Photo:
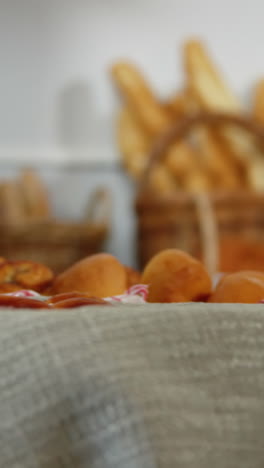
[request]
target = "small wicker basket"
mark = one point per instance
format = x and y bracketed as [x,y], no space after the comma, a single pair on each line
[56,243]
[196,222]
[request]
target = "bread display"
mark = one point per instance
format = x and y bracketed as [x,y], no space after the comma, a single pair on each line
[171,276]
[226,158]
[199,146]
[31,229]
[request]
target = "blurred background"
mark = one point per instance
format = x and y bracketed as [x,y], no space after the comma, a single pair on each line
[58,102]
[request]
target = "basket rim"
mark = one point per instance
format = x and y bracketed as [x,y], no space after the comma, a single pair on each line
[147,198]
[53,234]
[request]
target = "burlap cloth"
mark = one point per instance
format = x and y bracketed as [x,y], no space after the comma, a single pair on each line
[170,386]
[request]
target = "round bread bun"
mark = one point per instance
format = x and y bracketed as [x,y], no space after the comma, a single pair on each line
[100,275]
[241,287]
[175,276]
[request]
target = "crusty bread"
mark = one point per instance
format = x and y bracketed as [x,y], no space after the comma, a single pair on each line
[175,276]
[100,275]
[240,287]
[140,98]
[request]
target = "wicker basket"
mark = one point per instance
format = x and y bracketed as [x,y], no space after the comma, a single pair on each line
[196,223]
[55,243]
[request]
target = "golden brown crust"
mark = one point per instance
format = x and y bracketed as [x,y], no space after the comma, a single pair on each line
[205,80]
[99,275]
[175,276]
[163,181]
[181,159]
[179,104]
[140,98]
[217,159]
[133,143]
[24,275]
[240,287]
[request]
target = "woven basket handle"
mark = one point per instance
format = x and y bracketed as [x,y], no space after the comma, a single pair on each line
[99,208]
[202,201]
[179,130]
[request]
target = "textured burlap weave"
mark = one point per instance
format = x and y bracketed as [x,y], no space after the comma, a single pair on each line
[170,386]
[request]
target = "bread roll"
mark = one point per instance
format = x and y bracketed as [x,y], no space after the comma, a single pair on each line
[99,275]
[174,276]
[245,287]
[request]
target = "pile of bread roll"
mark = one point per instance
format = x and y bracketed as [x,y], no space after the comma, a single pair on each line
[170,276]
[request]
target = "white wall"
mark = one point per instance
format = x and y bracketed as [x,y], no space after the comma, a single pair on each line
[54,87]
